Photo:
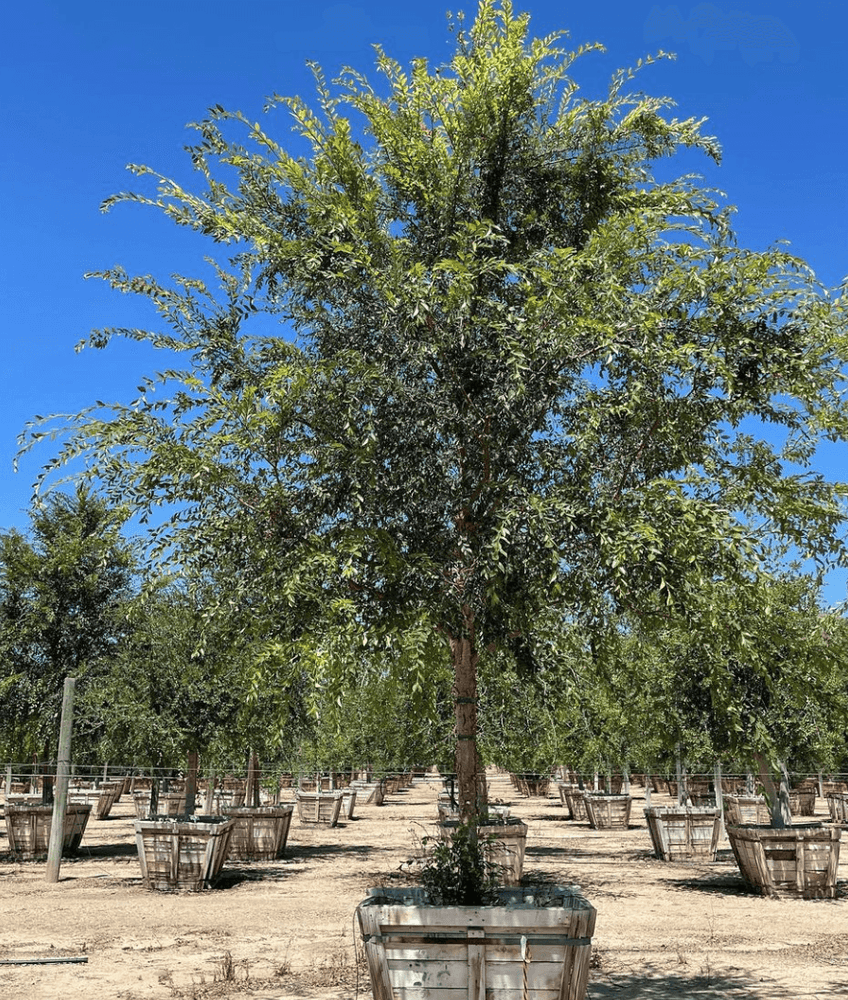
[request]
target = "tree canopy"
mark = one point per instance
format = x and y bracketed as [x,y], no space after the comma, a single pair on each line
[517,375]
[64,612]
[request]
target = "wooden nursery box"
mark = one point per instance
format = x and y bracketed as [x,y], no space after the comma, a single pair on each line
[260,833]
[534,785]
[527,948]
[100,799]
[571,797]
[837,804]
[348,802]
[679,833]
[741,810]
[504,845]
[185,853]
[369,792]
[225,799]
[28,828]
[799,860]
[319,807]
[608,812]
[802,801]
[169,804]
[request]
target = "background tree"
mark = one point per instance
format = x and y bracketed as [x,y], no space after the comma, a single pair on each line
[518,374]
[65,593]
[777,695]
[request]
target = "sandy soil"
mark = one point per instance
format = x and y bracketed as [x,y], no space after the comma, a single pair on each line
[284,929]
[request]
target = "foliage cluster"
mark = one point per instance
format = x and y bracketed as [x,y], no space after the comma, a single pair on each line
[457,872]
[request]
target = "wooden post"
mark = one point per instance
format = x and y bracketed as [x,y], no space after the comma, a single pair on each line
[678,771]
[191,783]
[60,798]
[8,780]
[718,792]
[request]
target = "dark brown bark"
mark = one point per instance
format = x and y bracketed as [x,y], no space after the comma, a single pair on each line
[191,782]
[251,793]
[468,774]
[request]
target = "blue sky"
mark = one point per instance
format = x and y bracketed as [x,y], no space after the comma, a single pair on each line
[89,86]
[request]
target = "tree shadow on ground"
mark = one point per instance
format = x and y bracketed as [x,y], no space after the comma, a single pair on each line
[600,855]
[312,852]
[106,851]
[592,886]
[708,984]
[236,873]
[731,883]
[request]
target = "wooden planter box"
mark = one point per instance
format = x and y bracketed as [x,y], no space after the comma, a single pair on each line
[369,792]
[504,845]
[224,799]
[681,834]
[799,861]
[527,948]
[572,798]
[319,807]
[24,799]
[834,786]
[28,828]
[260,833]
[837,804]
[608,812]
[659,784]
[743,810]
[534,785]
[348,802]
[616,784]
[802,801]
[170,804]
[701,800]
[100,799]
[182,854]
[309,785]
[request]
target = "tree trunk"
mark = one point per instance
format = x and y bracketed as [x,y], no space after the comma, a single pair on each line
[191,783]
[465,659]
[778,801]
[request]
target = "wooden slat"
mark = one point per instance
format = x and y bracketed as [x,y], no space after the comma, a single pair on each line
[476,967]
[378,968]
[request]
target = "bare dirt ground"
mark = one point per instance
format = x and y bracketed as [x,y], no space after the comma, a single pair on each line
[283,929]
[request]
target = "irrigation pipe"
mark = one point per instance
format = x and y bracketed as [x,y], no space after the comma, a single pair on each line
[44,961]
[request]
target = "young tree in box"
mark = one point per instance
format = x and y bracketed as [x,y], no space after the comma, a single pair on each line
[516,364]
